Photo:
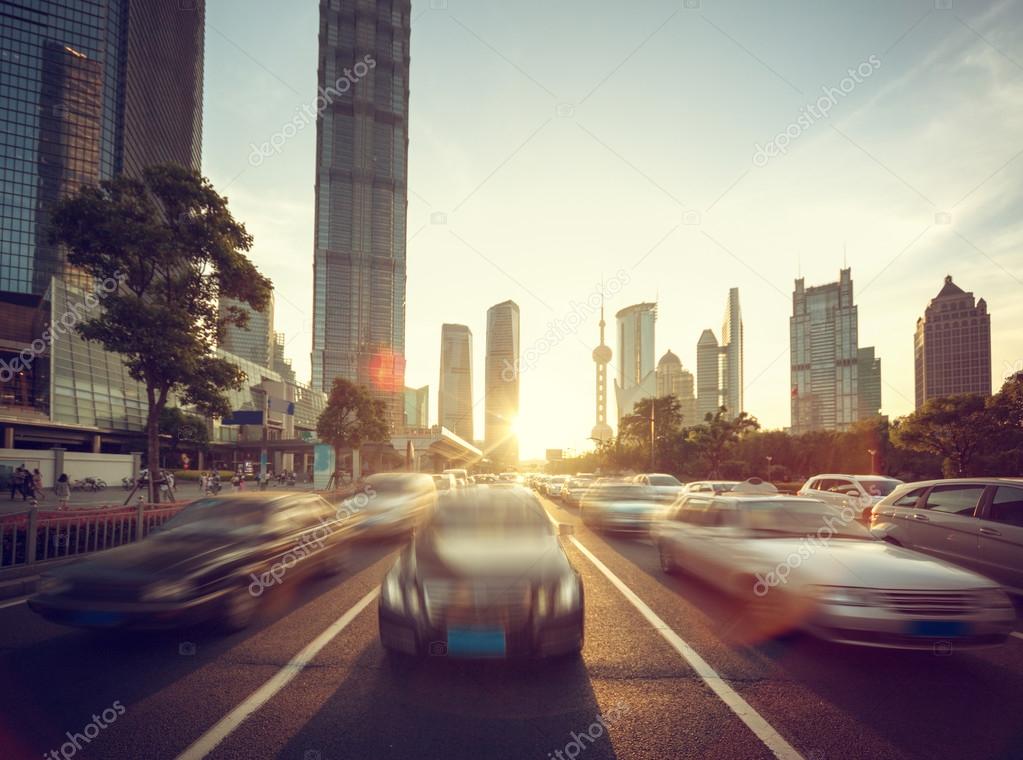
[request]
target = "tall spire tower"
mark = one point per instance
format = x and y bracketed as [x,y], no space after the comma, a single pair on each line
[602,357]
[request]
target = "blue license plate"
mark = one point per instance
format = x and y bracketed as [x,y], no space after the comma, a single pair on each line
[938,628]
[98,618]
[476,642]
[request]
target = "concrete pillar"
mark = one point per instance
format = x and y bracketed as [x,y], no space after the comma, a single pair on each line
[136,465]
[58,463]
[200,463]
[97,444]
[9,437]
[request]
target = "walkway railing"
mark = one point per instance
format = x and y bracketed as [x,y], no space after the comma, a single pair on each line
[41,535]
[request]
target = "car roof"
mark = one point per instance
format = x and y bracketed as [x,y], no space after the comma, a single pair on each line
[748,497]
[851,477]
[953,481]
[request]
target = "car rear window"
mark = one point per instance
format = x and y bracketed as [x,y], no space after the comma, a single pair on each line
[955,500]
[1007,506]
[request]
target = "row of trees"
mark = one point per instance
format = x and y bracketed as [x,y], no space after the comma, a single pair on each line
[949,436]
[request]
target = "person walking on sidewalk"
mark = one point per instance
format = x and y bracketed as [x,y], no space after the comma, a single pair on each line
[18,482]
[37,484]
[62,490]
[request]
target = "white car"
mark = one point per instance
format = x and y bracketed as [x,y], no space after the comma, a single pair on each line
[800,564]
[861,492]
[461,477]
[665,488]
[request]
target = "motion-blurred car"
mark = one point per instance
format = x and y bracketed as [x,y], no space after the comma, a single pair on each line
[574,488]
[487,577]
[709,486]
[461,477]
[973,522]
[554,485]
[803,566]
[444,483]
[397,503]
[665,488]
[627,507]
[861,492]
[212,561]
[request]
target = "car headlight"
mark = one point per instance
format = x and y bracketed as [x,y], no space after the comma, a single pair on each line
[166,591]
[567,595]
[848,597]
[993,598]
[391,595]
[48,584]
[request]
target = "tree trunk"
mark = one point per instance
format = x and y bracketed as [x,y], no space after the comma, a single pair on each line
[153,455]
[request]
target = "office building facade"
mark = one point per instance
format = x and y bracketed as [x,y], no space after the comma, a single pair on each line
[731,356]
[636,376]
[827,363]
[417,408]
[952,345]
[255,341]
[454,393]
[674,380]
[708,375]
[501,405]
[361,199]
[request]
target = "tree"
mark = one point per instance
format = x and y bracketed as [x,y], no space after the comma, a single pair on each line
[351,418]
[719,433]
[171,249]
[183,428]
[956,428]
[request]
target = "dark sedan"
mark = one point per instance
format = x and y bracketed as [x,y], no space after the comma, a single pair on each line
[486,577]
[214,560]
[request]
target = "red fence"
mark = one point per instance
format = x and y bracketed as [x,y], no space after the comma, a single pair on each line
[40,535]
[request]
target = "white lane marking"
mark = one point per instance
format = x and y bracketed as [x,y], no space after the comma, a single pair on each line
[13,603]
[226,726]
[756,723]
[1017,634]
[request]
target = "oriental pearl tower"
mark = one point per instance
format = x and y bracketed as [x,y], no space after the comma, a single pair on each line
[602,357]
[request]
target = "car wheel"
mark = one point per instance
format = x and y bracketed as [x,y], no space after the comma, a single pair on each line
[239,609]
[667,563]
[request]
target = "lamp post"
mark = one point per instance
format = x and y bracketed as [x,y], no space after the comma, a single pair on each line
[873,464]
[769,460]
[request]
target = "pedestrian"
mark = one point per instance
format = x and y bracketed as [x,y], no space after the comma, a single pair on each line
[63,491]
[37,484]
[18,482]
[236,482]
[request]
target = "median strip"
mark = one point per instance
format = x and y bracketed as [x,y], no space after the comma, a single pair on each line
[227,725]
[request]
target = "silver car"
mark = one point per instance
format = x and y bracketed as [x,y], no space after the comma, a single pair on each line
[973,522]
[620,506]
[861,492]
[803,564]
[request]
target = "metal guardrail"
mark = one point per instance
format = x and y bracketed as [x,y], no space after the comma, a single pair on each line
[35,536]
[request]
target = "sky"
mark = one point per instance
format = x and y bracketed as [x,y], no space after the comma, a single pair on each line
[676,148]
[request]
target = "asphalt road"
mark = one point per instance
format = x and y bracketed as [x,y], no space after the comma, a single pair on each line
[669,667]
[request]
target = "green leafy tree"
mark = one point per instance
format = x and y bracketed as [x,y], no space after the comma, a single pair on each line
[957,428]
[183,430]
[350,419]
[171,243]
[719,434]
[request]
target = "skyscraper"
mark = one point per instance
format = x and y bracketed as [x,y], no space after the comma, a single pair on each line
[502,384]
[454,395]
[708,375]
[361,199]
[637,377]
[93,88]
[601,432]
[417,407]
[731,356]
[953,345]
[827,363]
[674,380]
[254,342]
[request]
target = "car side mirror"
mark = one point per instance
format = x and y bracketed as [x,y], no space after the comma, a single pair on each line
[566,529]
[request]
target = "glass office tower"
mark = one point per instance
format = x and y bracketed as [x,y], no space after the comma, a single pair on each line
[361,198]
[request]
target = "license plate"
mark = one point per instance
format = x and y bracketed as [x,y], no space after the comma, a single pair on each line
[476,642]
[938,628]
[98,618]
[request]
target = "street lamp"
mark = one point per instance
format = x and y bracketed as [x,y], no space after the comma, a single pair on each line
[873,465]
[769,460]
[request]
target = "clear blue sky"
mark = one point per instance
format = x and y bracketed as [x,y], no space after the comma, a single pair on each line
[566,141]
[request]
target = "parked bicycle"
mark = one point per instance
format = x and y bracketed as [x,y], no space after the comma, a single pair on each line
[89,484]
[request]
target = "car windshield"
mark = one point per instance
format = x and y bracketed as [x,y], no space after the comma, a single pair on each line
[501,510]
[620,492]
[879,486]
[786,518]
[664,480]
[218,516]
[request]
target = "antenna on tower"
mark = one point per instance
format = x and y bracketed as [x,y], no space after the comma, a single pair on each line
[845,256]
